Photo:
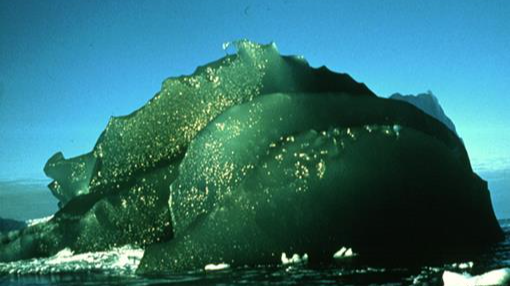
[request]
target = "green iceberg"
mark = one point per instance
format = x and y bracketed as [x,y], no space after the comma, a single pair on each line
[258,154]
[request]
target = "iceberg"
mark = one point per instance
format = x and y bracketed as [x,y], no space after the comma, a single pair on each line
[429,104]
[290,171]
[258,154]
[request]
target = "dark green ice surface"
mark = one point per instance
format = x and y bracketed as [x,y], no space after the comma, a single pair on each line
[258,154]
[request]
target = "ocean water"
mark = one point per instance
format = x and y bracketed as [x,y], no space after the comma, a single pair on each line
[26,199]
[499,185]
[118,266]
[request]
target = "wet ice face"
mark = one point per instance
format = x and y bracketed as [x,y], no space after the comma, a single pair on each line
[161,131]
[299,169]
[270,135]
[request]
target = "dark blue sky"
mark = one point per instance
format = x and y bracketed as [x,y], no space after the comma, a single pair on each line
[67,66]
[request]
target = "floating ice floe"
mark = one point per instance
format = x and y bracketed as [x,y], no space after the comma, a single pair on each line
[491,278]
[396,129]
[464,265]
[216,267]
[344,253]
[295,259]
[122,261]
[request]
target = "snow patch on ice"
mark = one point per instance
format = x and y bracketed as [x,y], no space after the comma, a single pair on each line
[35,221]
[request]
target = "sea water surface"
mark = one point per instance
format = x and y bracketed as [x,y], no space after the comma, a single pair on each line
[24,201]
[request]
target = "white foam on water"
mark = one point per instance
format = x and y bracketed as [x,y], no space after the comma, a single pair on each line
[492,278]
[122,261]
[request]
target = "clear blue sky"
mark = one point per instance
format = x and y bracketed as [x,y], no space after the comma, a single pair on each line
[67,66]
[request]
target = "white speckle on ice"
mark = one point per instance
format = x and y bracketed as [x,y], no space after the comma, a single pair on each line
[295,259]
[216,267]
[491,278]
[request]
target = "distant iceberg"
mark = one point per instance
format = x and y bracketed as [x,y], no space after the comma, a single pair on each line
[429,104]
[9,224]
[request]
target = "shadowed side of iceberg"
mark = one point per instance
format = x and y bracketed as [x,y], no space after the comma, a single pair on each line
[309,173]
